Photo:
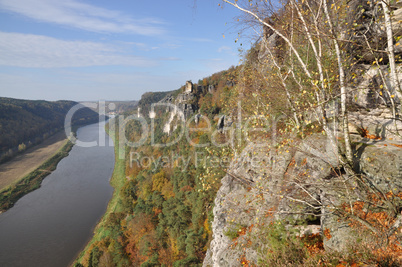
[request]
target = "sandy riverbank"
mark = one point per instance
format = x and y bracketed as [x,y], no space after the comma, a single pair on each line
[20,166]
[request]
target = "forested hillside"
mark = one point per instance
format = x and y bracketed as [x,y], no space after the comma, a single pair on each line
[151,97]
[292,158]
[27,122]
[162,211]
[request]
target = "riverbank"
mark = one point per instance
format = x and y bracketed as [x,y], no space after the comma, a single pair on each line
[117,181]
[18,188]
[52,224]
[21,165]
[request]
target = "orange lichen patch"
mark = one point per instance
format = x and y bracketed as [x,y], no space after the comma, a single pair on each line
[270,212]
[245,229]
[372,136]
[392,250]
[244,261]
[292,162]
[327,233]
[396,145]
[391,194]
[313,243]
[365,133]
[381,221]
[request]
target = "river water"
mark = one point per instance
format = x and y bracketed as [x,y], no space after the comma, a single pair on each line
[51,225]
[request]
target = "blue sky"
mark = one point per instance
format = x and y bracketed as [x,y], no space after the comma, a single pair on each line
[111,49]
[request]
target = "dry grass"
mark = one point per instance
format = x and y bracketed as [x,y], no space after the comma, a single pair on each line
[14,170]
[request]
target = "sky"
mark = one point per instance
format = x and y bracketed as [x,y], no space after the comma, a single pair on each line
[89,50]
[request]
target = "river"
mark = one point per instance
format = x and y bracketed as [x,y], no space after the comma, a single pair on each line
[51,225]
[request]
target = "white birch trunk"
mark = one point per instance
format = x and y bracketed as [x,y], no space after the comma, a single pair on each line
[345,122]
[390,50]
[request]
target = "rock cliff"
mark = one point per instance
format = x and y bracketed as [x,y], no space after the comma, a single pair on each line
[264,184]
[302,180]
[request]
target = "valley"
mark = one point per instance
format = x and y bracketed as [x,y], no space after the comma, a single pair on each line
[15,169]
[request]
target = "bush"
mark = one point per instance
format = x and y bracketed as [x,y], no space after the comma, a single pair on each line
[234,232]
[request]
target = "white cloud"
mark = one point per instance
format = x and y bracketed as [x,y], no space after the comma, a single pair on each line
[142,46]
[82,16]
[36,51]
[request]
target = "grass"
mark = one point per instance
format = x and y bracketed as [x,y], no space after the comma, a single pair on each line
[29,160]
[117,181]
[10,195]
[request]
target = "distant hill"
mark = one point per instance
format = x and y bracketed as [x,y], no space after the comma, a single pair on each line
[123,106]
[118,107]
[24,123]
[153,97]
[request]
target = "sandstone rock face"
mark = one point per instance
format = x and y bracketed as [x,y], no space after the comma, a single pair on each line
[373,88]
[184,101]
[396,18]
[289,184]
[372,102]
[366,19]
[262,183]
[181,107]
[189,87]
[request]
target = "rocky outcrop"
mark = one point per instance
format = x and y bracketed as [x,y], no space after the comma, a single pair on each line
[184,101]
[366,22]
[180,107]
[290,184]
[224,123]
[188,87]
[303,181]
[372,100]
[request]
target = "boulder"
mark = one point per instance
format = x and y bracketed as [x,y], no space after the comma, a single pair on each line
[262,181]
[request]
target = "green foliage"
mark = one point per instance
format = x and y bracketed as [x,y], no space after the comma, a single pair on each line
[150,98]
[21,147]
[28,122]
[153,261]
[189,261]
[164,213]
[129,195]
[94,257]
[283,247]
[10,195]
[158,181]
[234,231]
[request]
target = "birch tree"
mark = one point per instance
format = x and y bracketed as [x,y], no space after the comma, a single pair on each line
[345,123]
[309,17]
[390,47]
